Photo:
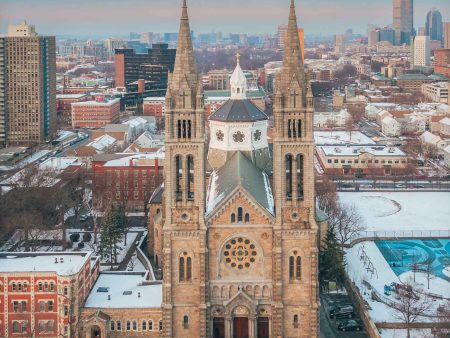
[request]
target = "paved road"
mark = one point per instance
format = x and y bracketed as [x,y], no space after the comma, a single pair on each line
[328,327]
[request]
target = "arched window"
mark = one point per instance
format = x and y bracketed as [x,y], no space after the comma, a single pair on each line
[19,286]
[13,286]
[150,325]
[233,218]
[299,128]
[185,322]
[288,161]
[189,129]
[160,325]
[52,286]
[134,325]
[185,268]
[179,128]
[16,327]
[300,177]
[112,325]
[179,177]
[184,129]
[289,131]
[238,90]
[295,266]
[240,214]
[119,325]
[190,173]
[295,321]
[40,286]
[128,325]
[247,218]
[144,325]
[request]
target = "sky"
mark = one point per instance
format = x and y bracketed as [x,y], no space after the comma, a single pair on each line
[119,17]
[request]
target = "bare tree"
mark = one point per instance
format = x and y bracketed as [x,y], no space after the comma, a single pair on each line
[429,271]
[346,222]
[408,306]
[415,264]
[326,194]
[349,125]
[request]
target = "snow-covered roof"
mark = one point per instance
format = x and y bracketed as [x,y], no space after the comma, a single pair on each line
[135,122]
[155,99]
[70,96]
[445,121]
[132,159]
[428,137]
[125,290]
[358,150]
[96,103]
[102,142]
[58,163]
[64,264]
[341,137]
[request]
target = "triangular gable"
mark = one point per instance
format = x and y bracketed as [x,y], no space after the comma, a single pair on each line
[240,197]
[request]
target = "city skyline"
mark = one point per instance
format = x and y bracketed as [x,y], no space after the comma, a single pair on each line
[66,18]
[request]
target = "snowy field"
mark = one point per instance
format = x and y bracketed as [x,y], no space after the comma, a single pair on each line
[402,211]
[397,333]
[368,269]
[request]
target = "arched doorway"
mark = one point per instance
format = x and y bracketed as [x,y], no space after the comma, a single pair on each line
[240,322]
[96,332]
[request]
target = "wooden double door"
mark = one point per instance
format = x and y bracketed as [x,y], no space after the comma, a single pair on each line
[241,328]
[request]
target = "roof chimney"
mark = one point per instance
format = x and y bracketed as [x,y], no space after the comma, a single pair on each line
[109,297]
[56,260]
[139,295]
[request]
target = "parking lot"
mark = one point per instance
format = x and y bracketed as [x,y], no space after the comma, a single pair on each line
[329,326]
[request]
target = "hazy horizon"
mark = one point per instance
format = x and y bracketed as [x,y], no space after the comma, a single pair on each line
[102,18]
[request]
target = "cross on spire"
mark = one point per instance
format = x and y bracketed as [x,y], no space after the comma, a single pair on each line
[238,57]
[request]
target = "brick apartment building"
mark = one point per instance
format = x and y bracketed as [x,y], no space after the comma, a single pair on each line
[64,105]
[442,62]
[95,114]
[126,178]
[42,293]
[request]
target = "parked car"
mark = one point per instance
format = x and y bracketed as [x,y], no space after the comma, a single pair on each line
[342,311]
[350,325]
[418,186]
[399,185]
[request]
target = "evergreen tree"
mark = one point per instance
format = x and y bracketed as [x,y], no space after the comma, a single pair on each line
[331,262]
[111,233]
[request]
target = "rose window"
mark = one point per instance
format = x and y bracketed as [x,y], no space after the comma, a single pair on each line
[238,137]
[240,253]
[257,135]
[219,135]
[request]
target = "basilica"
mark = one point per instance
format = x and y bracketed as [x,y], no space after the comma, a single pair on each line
[237,238]
[233,228]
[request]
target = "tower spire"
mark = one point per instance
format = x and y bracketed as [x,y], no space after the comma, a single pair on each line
[184,60]
[292,51]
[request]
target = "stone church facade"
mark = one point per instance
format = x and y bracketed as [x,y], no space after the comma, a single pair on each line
[238,247]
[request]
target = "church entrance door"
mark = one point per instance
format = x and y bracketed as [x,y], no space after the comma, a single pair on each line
[240,327]
[218,327]
[263,327]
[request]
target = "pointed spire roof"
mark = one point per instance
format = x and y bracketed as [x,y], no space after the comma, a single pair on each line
[292,60]
[238,82]
[184,60]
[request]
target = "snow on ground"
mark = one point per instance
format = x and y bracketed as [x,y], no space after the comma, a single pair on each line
[437,285]
[401,211]
[398,333]
[366,254]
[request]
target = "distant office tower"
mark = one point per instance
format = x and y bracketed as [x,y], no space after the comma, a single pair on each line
[433,26]
[421,31]
[373,36]
[446,35]
[403,20]
[151,66]
[112,44]
[420,51]
[339,43]
[387,34]
[301,36]
[281,36]
[27,86]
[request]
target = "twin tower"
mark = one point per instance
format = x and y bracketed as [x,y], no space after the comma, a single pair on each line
[239,237]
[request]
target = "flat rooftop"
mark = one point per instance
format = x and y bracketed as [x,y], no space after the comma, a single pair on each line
[358,150]
[64,264]
[125,290]
[341,138]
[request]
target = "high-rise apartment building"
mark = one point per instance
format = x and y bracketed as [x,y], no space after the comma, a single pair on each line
[152,66]
[446,35]
[420,51]
[433,26]
[27,86]
[281,36]
[403,20]
[339,43]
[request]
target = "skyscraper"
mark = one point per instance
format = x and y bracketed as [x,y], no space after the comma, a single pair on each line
[446,41]
[420,51]
[27,86]
[403,20]
[281,36]
[433,26]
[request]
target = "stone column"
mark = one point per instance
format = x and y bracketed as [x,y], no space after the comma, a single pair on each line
[228,327]
[252,327]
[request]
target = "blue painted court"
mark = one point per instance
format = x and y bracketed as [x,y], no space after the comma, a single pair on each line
[403,254]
